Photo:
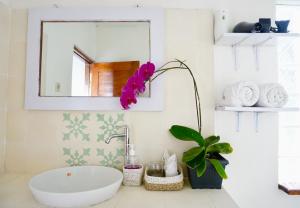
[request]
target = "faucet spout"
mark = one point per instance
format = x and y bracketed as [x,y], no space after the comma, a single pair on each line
[125,135]
[107,141]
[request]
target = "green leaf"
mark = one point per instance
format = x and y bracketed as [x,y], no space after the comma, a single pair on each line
[219,168]
[194,163]
[223,148]
[191,154]
[201,168]
[211,140]
[186,134]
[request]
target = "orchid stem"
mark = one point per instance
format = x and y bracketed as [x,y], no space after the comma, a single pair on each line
[162,71]
[182,65]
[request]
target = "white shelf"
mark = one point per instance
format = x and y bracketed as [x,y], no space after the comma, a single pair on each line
[254,39]
[256,109]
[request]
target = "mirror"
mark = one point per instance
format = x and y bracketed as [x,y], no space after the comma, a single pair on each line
[91,58]
[79,58]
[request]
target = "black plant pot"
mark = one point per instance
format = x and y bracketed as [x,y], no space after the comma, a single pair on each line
[210,179]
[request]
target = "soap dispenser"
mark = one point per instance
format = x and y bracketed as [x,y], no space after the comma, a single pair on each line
[132,160]
[133,169]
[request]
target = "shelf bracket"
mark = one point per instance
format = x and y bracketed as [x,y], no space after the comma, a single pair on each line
[264,41]
[256,57]
[234,51]
[237,128]
[256,119]
[255,49]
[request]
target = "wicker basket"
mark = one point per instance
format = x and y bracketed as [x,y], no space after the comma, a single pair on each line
[133,177]
[174,183]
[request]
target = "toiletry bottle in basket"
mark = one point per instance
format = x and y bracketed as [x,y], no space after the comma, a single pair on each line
[133,169]
[132,160]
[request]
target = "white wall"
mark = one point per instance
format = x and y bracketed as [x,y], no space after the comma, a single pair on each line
[253,164]
[4,65]
[253,169]
[242,5]
[60,39]
[128,41]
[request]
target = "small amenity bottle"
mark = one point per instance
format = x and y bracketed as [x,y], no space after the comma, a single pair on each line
[132,160]
[133,169]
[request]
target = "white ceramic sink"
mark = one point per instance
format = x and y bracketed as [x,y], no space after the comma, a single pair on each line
[75,186]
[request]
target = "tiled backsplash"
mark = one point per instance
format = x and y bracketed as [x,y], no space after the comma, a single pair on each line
[83,139]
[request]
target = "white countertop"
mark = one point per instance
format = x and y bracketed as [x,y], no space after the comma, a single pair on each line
[14,193]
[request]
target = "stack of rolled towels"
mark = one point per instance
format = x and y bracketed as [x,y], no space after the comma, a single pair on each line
[247,94]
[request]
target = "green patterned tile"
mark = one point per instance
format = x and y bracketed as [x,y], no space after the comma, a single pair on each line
[109,125]
[111,159]
[85,128]
[76,126]
[75,158]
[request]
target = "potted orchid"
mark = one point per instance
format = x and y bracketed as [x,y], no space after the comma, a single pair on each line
[206,167]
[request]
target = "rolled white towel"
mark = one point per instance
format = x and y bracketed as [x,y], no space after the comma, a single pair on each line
[241,94]
[272,95]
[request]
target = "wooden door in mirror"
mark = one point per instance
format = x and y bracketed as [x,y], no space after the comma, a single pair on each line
[108,78]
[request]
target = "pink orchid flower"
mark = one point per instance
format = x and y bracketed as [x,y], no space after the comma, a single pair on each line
[136,83]
[128,97]
[147,70]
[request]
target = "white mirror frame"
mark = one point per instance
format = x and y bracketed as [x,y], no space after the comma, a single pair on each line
[32,99]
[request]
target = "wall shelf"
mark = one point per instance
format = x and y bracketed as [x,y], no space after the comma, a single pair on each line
[255,110]
[254,40]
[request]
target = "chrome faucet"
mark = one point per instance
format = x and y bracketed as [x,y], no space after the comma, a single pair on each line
[125,135]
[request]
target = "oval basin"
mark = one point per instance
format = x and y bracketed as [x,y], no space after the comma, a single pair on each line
[75,186]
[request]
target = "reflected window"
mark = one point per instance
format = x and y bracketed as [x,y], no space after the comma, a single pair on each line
[80,75]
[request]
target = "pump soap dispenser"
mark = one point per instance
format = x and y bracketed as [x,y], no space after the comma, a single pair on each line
[133,170]
[132,160]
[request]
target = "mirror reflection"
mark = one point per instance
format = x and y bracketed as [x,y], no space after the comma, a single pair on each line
[91,58]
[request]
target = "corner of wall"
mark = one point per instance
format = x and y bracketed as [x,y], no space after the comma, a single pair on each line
[5,14]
